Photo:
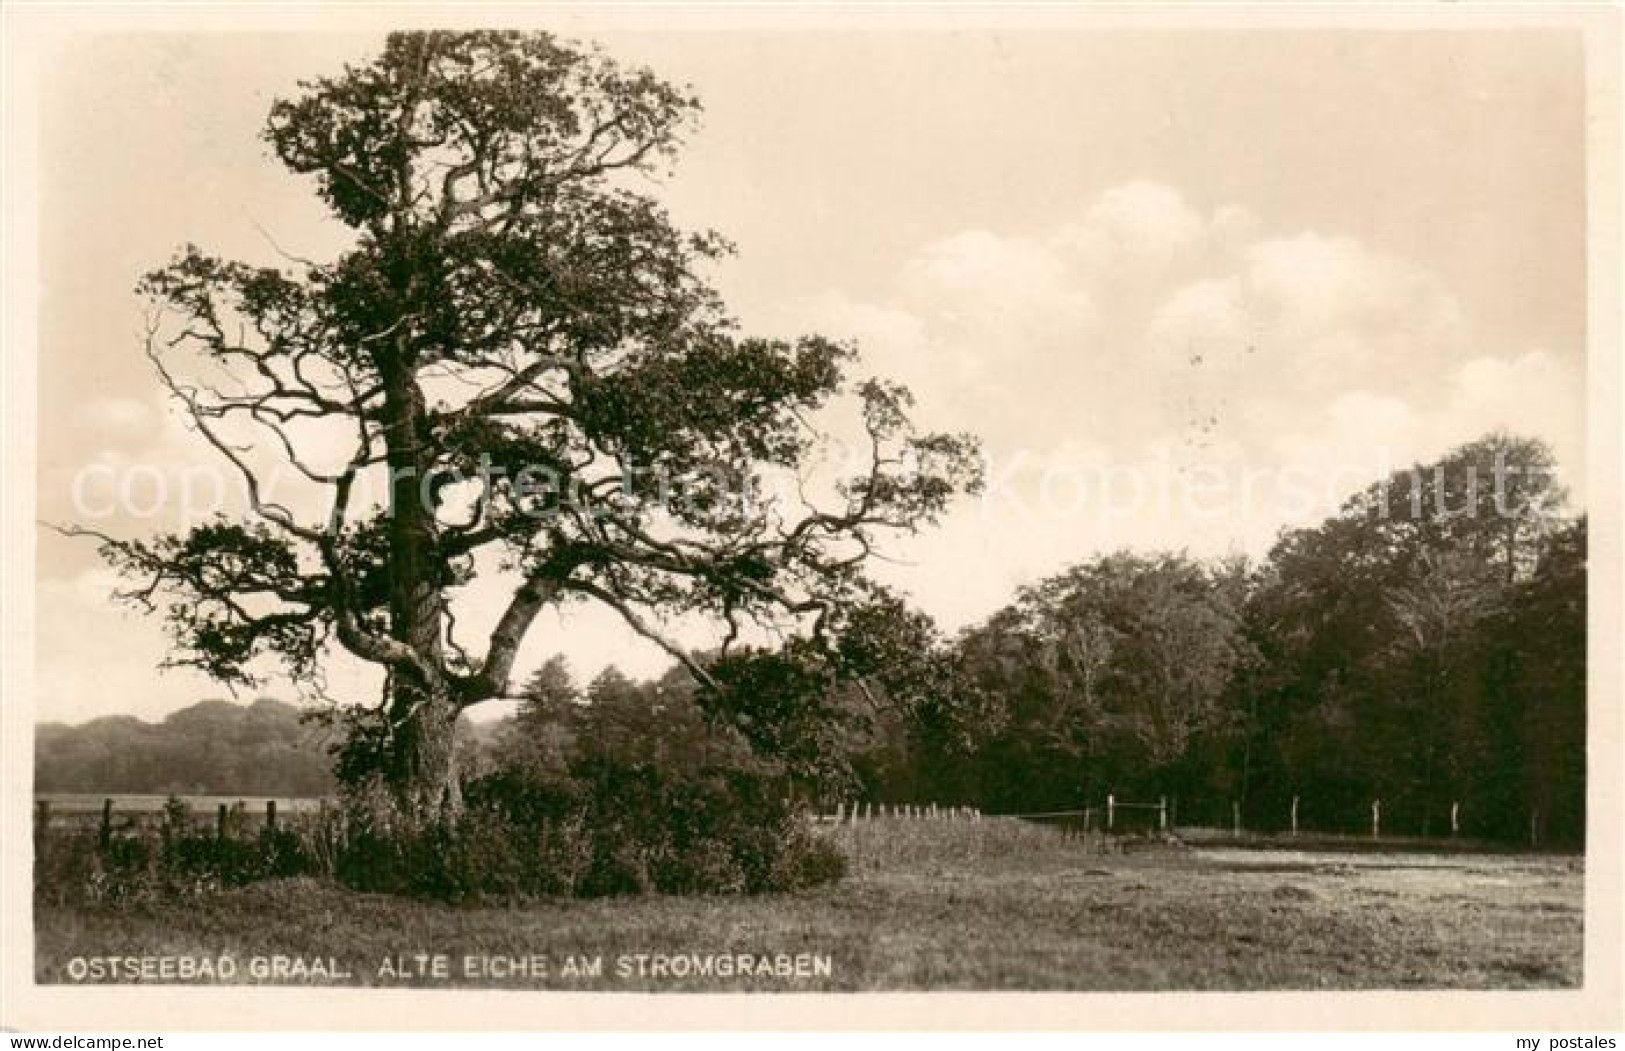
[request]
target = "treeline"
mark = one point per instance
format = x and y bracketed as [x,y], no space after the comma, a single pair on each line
[211,748]
[1424,647]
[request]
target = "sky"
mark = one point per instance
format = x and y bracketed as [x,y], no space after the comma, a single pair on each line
[1190,288]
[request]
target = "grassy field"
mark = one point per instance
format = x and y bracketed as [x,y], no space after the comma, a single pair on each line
[993,904]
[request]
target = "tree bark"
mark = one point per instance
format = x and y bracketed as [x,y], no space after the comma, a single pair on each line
[422,710]
[423,772]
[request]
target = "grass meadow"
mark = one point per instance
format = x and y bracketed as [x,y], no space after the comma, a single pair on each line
[994,904]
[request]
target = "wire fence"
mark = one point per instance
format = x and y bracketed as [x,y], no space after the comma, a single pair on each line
[1115,816]
[146,813]
[1220,823]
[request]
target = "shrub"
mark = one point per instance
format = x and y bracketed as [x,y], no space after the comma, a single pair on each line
[808,862]
[126,870]
[518,834]
[65,864]
[163,859]
[607,828]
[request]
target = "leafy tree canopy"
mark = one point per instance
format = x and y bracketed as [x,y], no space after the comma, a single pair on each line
[524,371]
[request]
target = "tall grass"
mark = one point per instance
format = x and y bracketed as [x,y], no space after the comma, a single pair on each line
[173,856]
[887,844]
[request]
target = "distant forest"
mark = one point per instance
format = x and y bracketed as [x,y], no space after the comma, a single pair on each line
[266,748]
[1425,647]
[211,748]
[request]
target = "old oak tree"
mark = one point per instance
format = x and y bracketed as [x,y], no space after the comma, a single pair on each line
[523,348]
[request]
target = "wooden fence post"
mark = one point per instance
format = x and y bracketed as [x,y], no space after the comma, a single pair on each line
[1455,818]
[1111,811]
[1294,815]
[220,821]
[270,815]
[1235,817]
[1162,813]
[1376,818]
[104,835]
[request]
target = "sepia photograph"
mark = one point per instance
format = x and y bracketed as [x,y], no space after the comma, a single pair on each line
[584,501]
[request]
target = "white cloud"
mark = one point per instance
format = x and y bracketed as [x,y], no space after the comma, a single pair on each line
[1152,338]
[1535,393]
[1143,229]
[1345,313]
[1151,375]
[989,306]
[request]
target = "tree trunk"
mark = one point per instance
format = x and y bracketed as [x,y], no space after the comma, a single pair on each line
[422,711]
[423,771]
